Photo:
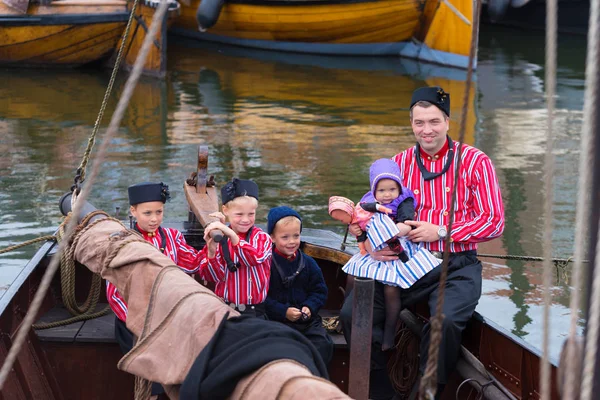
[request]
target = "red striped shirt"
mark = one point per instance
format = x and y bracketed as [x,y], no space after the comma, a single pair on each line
[250,283]
[183,255]
[479,213]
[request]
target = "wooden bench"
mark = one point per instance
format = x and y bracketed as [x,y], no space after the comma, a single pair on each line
[102,329]
[97,330]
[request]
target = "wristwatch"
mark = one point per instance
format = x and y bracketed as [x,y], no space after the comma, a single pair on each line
[442,232]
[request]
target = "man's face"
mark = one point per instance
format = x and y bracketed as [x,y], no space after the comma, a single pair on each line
[430,126]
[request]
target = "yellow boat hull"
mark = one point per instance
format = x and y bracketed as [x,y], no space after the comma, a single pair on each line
[71,33]
[434,31]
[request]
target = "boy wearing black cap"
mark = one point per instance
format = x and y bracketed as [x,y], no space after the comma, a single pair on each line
[240,265]
[297,290]
[147,202]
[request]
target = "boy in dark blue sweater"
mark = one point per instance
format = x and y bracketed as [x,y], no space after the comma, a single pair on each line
[297,290]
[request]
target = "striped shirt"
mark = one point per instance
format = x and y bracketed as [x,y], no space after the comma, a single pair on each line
[185,256]
[479,213]
[250,283]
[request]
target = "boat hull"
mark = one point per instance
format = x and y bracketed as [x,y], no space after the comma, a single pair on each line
[70,38]
[55,364]
[72,35]
[362,28]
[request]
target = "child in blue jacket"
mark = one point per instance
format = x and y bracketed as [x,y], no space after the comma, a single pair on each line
[297,290]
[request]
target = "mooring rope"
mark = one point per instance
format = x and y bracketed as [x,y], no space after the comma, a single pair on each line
[428,384]
[27,243]
[36,303]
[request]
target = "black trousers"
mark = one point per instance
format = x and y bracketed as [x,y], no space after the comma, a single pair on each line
[313,330]
[463,290]
[125,339]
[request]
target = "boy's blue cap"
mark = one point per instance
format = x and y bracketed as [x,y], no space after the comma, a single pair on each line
[277,213]
[148,191]
[238,188]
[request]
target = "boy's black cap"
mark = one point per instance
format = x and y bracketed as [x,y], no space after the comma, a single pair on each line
[433,94]
[238,188]
[148,191]
[277,213]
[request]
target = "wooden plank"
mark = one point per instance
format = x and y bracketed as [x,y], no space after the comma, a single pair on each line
[66,333]
[100,330]
[202,196]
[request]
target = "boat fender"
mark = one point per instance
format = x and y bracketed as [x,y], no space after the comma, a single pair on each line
[208,13]
[497,8]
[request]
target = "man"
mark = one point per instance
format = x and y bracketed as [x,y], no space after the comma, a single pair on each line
[428,170]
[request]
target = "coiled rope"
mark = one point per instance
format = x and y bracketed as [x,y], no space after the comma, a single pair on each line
[67,283]
[36,303]
[428,384]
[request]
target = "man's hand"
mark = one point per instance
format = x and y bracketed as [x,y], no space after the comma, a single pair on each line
[293,314]
[384,254]
[355,229]
[424,231]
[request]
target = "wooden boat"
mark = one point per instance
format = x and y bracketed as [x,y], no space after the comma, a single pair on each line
[67,33]
[573,17]
[56,363]
[432,31]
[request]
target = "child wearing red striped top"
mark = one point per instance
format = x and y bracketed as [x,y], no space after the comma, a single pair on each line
[147,201]
[239,265]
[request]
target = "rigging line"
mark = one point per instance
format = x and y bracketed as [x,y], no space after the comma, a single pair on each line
[551,27]
[584,196]
[593,328]
[428,385]
[34,307]
[589,128]
[109,88]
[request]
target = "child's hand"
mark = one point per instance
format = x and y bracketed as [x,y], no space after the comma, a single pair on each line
[218,215]
[306,311]
[293,314]
[233,237]
[403,228]
[383,209]
[212,247]
[355,229]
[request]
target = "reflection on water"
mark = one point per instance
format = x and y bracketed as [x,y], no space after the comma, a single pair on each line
[304,127]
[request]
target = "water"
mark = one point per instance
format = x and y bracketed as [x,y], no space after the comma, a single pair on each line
[303,128]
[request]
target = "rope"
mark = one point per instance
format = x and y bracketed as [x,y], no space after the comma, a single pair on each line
[67,275]
[80,174]
[332,324]
[593,328]
[403,365]
[584,201]
[428,384]
[36,303]
[27,243]
[551,26]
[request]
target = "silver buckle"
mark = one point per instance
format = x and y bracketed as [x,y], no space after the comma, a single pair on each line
[241,307]
[438,254]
